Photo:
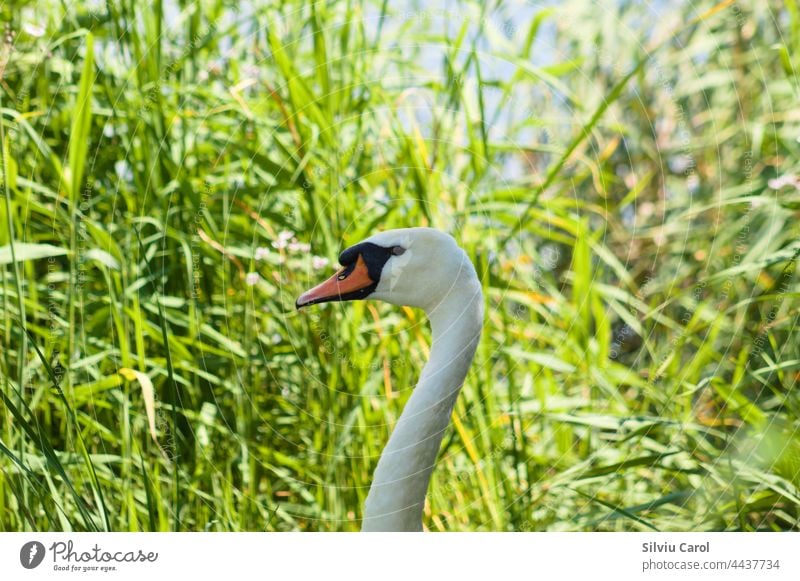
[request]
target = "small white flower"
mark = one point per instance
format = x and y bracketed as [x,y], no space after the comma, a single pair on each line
[34,30]
[283,239]
[276,338]
[261,253]
[252,278]
[784,180]
[299,247]
[319,262]
[123,169]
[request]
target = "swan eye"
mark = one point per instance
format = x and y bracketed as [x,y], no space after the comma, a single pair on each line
[398,250]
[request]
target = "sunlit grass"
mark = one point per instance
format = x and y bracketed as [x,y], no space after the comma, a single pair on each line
[174,176]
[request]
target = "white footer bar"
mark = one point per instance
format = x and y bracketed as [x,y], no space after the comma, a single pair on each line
[351,557]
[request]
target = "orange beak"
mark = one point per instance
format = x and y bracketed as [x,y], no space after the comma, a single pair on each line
[342,286]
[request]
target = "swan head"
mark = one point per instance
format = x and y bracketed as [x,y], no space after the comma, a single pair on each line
[415,267]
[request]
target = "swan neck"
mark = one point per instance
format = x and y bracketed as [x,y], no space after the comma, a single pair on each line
[397,496]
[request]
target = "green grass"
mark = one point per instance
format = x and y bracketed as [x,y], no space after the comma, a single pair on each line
[625,182]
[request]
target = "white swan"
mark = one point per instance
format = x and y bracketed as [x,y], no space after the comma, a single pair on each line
[425,268]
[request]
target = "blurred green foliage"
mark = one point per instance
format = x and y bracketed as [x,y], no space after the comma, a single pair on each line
[624,176]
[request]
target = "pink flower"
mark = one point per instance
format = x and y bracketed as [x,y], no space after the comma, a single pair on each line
[252,278]
[319,262]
